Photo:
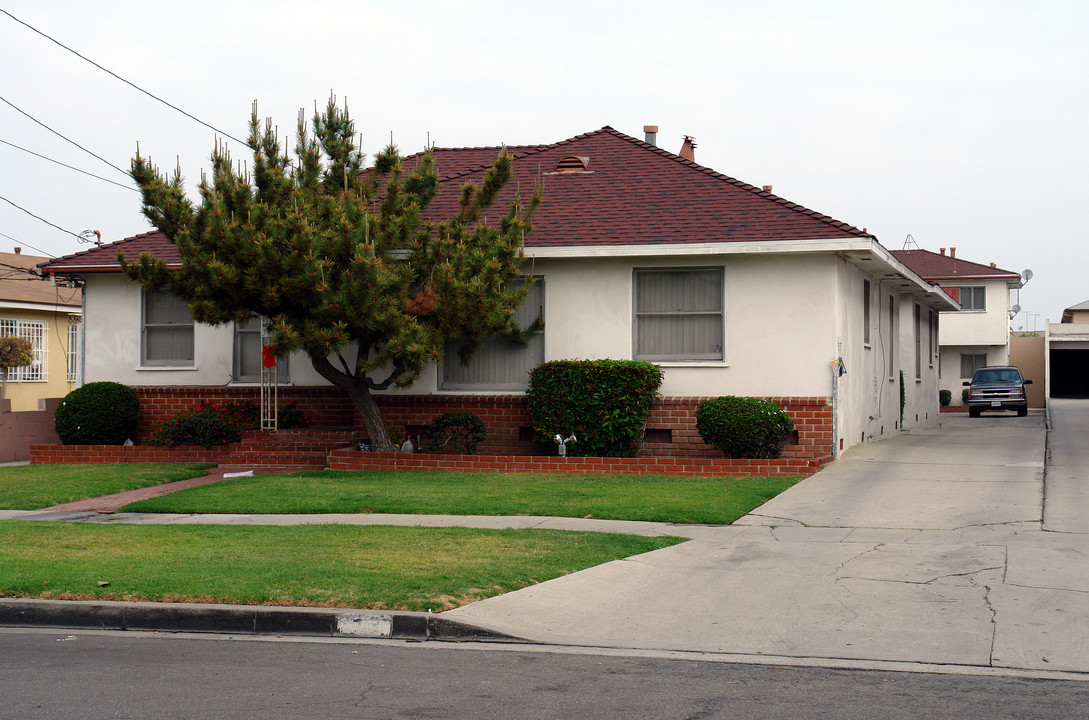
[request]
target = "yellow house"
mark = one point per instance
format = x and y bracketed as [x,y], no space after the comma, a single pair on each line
[49,317]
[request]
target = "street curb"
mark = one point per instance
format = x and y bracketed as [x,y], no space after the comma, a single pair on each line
[250,619]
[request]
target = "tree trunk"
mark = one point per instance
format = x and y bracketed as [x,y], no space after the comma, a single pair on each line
[364,402]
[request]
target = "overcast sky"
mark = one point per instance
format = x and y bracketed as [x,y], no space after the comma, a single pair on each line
[961,123]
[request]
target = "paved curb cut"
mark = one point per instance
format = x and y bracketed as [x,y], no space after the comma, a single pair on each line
[252,619]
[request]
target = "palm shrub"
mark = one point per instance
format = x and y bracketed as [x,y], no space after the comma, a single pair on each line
[458,431]
[604,403]
[99,413]
[14,352]
[744,427]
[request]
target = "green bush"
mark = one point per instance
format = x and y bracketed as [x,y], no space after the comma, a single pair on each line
[964,396]
[207,424]
[99,413]
[458,431]
[945,396]
[605,403]
[744,427]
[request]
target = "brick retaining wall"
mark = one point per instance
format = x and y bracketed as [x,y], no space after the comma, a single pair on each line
[671,426]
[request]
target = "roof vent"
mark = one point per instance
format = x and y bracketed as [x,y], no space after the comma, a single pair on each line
[688,149]
[573,164]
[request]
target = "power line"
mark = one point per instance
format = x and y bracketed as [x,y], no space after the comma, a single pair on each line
[58,162]
[9,237]
[18,207]
[110,72]
[26,114]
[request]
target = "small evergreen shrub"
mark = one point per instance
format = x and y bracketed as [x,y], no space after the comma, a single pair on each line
[605,403]
[459,431]
[964,396]
[99,413]
[207,424]
[945,396]
[744,427]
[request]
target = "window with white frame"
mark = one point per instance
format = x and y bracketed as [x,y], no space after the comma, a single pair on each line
[166,330]
[73,348]
[866,312]
[500,364]
[918,342]
[679,314]
[973,298]
[36,332]
[247,354]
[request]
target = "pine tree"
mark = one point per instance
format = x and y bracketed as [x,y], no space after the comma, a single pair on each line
[338,258]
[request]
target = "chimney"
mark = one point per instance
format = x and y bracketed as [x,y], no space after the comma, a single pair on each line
[952,252]
[943,250]
[18,251]
[688,149]
[767,188]
[651,133]
[993,265]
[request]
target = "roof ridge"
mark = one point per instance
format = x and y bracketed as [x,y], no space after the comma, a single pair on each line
[741,184]
[950,258]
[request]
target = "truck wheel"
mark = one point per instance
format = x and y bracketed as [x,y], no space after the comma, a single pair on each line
[1022,412]
[974,412]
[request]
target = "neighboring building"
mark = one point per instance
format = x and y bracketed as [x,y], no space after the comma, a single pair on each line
[979,333]
[49,317]
[640,254]
[1068,353]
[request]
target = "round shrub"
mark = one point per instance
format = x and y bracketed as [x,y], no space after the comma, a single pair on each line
[99,413]
[459,431]
[744,427]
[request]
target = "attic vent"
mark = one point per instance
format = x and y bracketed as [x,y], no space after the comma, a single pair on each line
[572,164]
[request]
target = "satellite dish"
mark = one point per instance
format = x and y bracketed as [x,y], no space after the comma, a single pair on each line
[1026,275]
[1016,309]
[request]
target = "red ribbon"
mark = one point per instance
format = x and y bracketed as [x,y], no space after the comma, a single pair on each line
[268,356]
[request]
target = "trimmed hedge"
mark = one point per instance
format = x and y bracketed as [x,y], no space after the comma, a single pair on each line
[99,413]
[458,431]
[604,403]
[744,427]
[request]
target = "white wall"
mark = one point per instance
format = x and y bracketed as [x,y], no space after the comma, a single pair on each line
[112,343]
[975,327]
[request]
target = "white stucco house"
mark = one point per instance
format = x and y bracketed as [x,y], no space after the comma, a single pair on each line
[979,333]
[639,253]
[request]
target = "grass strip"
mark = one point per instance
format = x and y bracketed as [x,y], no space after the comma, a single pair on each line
[611,497]
[384,567]
[30,487]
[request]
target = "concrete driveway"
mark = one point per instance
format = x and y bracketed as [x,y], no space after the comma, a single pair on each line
[931,547]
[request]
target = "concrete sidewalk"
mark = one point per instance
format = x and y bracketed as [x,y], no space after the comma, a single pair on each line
[933,547]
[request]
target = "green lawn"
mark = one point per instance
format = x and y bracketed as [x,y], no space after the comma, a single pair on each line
[317,565]
[29,487]
[614,497]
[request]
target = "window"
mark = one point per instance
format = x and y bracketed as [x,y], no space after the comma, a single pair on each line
[73,348]
[679,314]
[892,337]
[36,332]
[866,311]
[166,330]
[918,342]
[973,298]
[970,363]
[247,355]
[932,326]
[500,364]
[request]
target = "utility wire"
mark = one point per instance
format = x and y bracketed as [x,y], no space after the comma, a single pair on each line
[110,72]
[18,207]
[58,162]
[9,103]
[9,237]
